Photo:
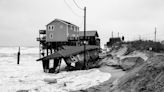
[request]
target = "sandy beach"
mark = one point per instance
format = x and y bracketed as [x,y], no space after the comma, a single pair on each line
[105,86]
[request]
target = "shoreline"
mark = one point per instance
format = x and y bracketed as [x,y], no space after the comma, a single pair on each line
[108,84]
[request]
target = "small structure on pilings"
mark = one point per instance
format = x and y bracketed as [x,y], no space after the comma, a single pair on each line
[63,40]
[113,40]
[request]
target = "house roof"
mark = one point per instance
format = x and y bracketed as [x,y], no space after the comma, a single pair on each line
[162,42]
[89,33]
[63,21]
[42,31]
[68,51]
[73,50]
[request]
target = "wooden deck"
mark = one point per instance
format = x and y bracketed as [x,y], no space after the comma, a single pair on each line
[68,51]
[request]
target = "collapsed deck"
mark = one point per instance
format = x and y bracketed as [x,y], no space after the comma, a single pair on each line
[72,55]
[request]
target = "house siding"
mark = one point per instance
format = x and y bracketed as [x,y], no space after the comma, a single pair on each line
[59,33]
[73,31]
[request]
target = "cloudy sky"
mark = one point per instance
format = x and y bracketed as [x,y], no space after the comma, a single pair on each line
[20,20]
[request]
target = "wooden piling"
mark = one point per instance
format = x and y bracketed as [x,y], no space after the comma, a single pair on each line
[18,56]
[59,65]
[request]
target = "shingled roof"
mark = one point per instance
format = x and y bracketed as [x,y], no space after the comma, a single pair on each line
[89,33]
[63,21]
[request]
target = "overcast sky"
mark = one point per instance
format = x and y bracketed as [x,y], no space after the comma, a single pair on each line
[20,20]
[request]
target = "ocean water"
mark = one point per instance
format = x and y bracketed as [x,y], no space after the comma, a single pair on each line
[29,76]
[11,73]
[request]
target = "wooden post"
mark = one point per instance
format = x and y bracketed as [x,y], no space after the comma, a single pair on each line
[155,33]
[18,56]
[59,65]
[39,47]
[44,65]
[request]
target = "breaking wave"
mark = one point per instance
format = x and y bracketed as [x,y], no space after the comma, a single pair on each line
[12,51]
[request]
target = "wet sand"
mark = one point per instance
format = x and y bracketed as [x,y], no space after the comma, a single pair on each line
[105,86]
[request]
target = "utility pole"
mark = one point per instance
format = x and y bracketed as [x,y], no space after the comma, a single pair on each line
[118,34]
[139,37]
[112,34]
[155,34]
[85,63]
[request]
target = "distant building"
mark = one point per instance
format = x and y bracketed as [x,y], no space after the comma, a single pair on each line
[113,40]
[92,37]
[162,42]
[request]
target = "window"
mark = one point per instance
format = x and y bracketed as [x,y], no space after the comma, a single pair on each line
[51,35]
[51,27]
